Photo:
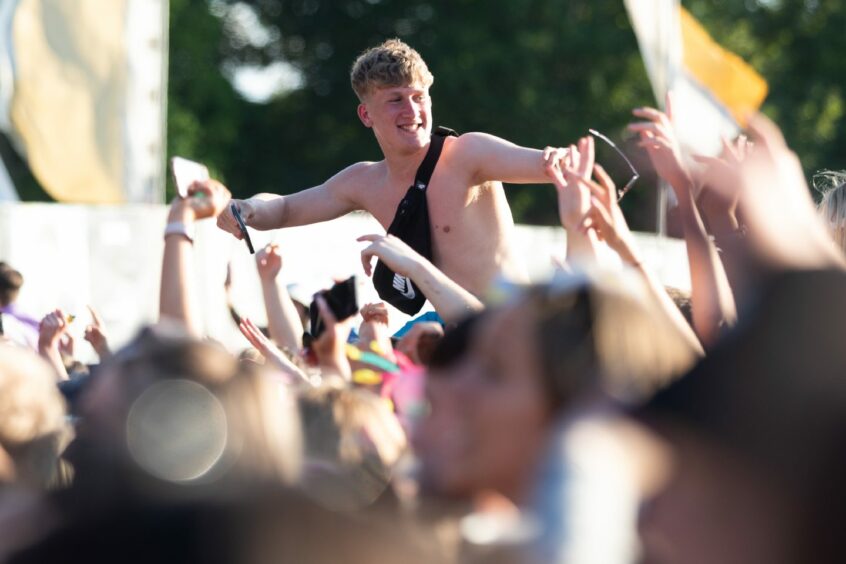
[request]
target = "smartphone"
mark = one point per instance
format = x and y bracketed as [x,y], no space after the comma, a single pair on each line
[186,172]
[342,299]
[243,227]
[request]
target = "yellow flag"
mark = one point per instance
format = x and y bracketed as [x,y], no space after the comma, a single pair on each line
[713,89]
[726,76]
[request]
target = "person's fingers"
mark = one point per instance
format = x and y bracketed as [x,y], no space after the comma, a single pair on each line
[651,114]
[367,259]
[226,220]
[648,128]
[743,146]
[575,157]
[245,331]
[370,238]
[767,133]
[98,322]
[729,150]
[706,160]
[655,143]
[601,219]
[325,312]
[668,105]
[199,187]
[253,335]
[256,332]
[555,173]
[548,154]
[597,191]
[604,180]
[587,154]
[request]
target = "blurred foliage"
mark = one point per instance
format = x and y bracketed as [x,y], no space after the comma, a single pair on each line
[536,72]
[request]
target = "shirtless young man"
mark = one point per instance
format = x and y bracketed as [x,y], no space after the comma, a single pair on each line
[471,223]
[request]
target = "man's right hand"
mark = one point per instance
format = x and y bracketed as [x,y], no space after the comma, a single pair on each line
[227,222]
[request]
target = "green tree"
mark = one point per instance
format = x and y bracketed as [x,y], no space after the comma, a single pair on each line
[535,72]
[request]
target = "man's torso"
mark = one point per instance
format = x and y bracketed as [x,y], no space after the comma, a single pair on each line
[471,224]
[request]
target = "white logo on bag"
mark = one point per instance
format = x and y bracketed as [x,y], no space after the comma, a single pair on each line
[403,285]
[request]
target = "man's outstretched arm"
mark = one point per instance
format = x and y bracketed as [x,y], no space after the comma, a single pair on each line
[491,158]
[321,203]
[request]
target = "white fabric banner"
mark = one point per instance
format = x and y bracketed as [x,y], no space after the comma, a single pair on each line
[83,95]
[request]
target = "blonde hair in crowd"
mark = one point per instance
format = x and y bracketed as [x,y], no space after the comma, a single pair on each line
[33,430]
[393,63]
[832,207]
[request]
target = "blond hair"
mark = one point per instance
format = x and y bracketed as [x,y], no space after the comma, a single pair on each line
[832,207]
[33,430]
[393,63]
[604,330]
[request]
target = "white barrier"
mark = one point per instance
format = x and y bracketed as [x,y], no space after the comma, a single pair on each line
[110,257]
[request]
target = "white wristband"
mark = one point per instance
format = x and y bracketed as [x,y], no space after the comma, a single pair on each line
[179,228]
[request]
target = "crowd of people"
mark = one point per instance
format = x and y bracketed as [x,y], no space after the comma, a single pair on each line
[596,417]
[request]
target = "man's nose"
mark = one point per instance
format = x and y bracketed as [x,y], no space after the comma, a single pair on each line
[410,107]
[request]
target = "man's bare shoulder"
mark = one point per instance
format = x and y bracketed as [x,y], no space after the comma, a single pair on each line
[358,173]
[475,142]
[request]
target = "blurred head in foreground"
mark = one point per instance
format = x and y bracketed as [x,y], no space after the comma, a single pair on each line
[352,442]
[498,382]
[832,207]
[32,419]
[185,411]
[756,433]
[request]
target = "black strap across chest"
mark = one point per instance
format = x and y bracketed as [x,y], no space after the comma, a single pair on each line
[411,225]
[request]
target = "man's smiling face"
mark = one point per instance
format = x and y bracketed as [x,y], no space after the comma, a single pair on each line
[400,116]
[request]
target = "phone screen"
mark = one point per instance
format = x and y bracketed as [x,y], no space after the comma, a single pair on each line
[186,172]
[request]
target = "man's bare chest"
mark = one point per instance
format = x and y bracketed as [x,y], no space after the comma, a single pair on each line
[448,203]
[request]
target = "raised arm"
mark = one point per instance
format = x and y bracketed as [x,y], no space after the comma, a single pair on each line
[451,301]
[176,301]
[283,320]
[712,301]
[327,201]
[607,219]
[491,158]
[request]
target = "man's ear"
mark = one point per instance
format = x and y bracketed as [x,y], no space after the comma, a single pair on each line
[364,115]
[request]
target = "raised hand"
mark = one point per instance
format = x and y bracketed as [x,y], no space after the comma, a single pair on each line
[391,250]
[376,313]
[226,220]
[51,329]
[552,156]
[270,351]
[208,198]
[606,217]
[659,139]
[719,177]
[269,262]
[574,197]
[331,346]
[373,332]
[96,336]
[783,225]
